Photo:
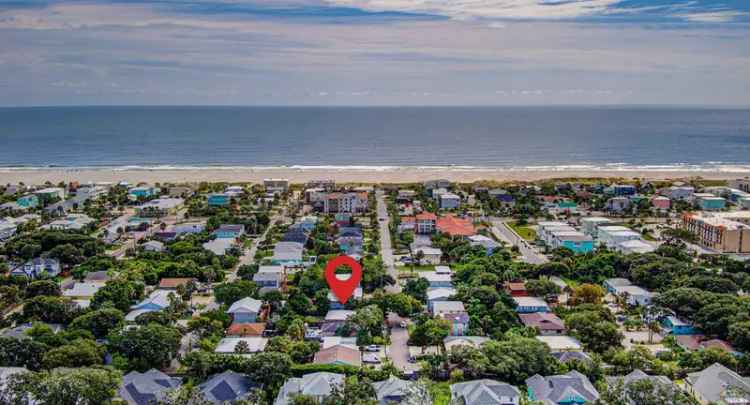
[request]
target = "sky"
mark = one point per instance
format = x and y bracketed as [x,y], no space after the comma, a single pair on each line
[375,52]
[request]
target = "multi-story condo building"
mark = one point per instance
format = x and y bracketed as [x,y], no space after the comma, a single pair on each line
[353,202]
[725,232]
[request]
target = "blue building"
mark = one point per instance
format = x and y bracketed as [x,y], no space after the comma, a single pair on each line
[623,189]
[677,327]
[218,200]
[28,201]
[528,305]
[229,231]
[711,203]
[143,192]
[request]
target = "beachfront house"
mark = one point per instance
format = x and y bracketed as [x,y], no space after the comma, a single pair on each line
[28,201]
[219,200]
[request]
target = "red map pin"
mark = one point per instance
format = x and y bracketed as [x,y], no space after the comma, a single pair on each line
[343,289]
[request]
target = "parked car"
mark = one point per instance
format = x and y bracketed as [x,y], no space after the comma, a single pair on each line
[372,348]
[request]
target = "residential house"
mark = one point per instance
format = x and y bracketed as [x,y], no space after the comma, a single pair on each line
[572,356]
[590,225]
[502,195]
[180,192]
[449,201]
[611,236]
[426,223]
[159,207]
[516,289]
[661,203]
[472,341]
[576,241]
[227,387]
[391,391]
[447,307]
[621,189]
[455,226]
[405,196]
[459,321]
[678,193]
[229,231]
[560,343]
[7,229]
[718,385]
[618,204]
[525,305]
[219,247]
[485,392]
[228,345]
[219,200]
[245,310]
[546,323]
[675,326]
[38,267]
[85,290]
[634,246]
[245,329]
[287,253]
[153,246]
[270,278]
[333,320]
[173,283]
[338,355]
[72,222]
[437,280]
[333,300]
[141,192]
[658,382]
[276,186]
[439,294]
[27,201]
[709,202]
[632,294]
[572,388]
[146,388]
[429,255]
[316,385]
[158,300]
[485,242]
[50,194]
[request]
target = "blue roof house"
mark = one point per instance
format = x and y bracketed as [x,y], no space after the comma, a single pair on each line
[144,192]
[229,231]
[218,200]
[677,327]
[28,201]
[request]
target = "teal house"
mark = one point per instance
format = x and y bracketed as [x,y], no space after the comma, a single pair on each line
[677,327]
[143,192]
[712,203]
[578,244]
[218,200]
[567,205]
[28,201]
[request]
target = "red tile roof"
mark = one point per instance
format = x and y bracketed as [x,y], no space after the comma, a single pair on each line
[174,282]
[246,329]
[455,226]
[542,320]
[338,354]
[426,216]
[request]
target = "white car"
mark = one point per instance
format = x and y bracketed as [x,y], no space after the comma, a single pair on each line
[372,348]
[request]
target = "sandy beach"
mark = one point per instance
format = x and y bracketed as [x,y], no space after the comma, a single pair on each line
[345,174]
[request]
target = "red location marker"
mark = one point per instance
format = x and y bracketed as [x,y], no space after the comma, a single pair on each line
[343,289]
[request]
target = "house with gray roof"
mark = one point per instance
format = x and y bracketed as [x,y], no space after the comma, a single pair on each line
[227,387]
[659,382]
[572,388]
[484,392]
[316,385]
[718,385]
[392,390]
[146,388]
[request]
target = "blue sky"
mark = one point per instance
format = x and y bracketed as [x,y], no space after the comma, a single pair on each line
[375,52]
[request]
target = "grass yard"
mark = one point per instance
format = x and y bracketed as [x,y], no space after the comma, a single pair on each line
[523,231]
[440,393]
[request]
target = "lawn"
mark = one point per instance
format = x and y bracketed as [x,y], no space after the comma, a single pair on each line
[440,393]
[523,231]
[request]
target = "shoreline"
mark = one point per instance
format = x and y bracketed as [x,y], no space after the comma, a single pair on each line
[357,174]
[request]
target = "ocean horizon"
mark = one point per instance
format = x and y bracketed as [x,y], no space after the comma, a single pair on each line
[592,138]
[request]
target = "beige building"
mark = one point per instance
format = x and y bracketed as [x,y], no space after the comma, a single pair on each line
[725,232]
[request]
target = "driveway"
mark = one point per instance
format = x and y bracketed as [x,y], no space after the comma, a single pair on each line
[398,351]
[528,254]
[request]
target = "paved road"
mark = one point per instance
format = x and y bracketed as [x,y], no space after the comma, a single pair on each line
[399,350]
[386,251]
[248,255]
[528,254]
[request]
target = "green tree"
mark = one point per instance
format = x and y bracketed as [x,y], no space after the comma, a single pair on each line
[79,353]
[229,293]
[99,322]
[597,334]
[150,346]
[79,386]
[21,353]
[120,293]
[43,287]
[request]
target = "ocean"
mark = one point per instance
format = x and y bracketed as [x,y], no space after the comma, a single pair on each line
[512,137]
